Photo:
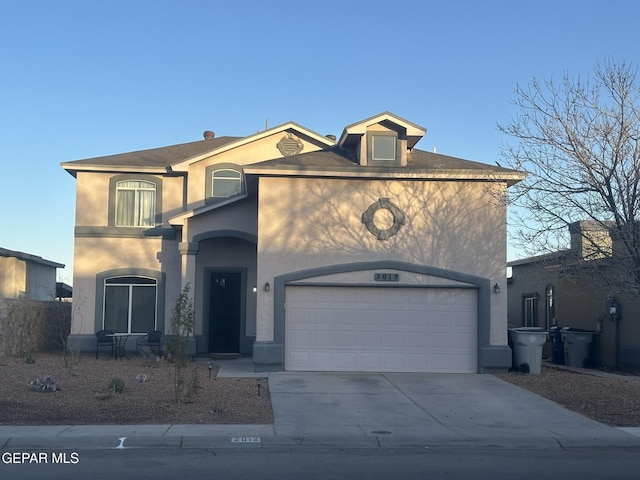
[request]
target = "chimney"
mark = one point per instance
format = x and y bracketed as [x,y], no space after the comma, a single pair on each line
[208,135]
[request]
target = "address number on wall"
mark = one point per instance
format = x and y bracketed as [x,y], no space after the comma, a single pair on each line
[386,277]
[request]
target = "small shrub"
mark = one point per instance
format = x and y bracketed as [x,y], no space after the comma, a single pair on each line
[30,359]
[116,385]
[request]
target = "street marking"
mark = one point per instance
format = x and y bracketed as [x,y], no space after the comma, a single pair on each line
[122,439]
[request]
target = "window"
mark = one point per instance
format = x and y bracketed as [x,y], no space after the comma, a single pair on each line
[130,304]
[530,310]
[549,313]
[135,203]
[383,147]
[225,183]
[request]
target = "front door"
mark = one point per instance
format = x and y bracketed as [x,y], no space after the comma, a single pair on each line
[225,312]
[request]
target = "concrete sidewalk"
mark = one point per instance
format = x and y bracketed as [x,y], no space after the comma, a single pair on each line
[359,410]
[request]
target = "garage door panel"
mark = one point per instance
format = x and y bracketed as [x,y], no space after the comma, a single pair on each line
[348,361]
[345,339]
[369,339]
[380,329]
[394,339]
[416,340]
[322,339]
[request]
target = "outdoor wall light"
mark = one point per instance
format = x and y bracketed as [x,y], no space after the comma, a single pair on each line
[267,287]
[255,289]
[496,288]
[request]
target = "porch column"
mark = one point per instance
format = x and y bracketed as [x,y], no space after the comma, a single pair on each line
[188,250]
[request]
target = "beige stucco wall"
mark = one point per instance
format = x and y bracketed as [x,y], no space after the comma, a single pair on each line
[95,255]
[308,223]
[13,277]
[259,150]
[240,216]
[92,198]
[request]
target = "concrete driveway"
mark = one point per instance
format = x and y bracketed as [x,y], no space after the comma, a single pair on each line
[400,409]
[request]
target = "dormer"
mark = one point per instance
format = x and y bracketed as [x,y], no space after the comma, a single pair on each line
[384,140]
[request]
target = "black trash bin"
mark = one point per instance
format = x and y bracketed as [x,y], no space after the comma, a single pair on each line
[557,346]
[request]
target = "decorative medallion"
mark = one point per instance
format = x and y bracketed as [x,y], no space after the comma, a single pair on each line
[290,145]
[368,218]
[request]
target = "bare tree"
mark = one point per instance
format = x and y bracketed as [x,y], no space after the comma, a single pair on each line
[578,141]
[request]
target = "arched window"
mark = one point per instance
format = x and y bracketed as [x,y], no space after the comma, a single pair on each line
[226,182]
[130,304]
[135,203]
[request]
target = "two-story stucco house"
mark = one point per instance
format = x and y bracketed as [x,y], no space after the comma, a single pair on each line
[307,252]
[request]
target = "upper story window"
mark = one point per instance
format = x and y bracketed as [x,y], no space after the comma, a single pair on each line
[223,181]
[383,147]
[135,203]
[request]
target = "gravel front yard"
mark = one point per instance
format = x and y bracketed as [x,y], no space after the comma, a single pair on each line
[612,401]
[148,397]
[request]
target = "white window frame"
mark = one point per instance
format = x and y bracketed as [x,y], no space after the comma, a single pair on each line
[375,137]
[141,216]
[238,176]
[113,282]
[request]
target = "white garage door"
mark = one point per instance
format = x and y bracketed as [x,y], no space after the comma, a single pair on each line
[380,329]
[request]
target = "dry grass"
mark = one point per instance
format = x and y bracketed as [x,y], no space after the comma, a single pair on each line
[83,396]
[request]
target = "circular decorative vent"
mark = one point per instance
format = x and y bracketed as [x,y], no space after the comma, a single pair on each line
[289,145]
[382,232]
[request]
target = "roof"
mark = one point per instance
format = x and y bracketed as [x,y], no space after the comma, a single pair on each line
[29,258]
[332,160]
[63,290]
[421,164]
[543,258]
[177,157]
[352,132]
[154,159]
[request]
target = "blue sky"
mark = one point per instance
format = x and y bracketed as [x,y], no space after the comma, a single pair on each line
[81,79]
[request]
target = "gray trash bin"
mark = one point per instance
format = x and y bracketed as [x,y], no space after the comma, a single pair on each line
[527,348]
[576,346]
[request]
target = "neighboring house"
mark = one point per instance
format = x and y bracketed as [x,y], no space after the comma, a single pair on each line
[563,289]
[306,252]
[27,276]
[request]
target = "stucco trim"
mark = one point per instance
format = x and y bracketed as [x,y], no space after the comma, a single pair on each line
[225,233]
[485,351]
[138,272]
[125,232]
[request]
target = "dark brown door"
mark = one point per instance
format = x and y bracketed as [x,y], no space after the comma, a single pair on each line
[224,308]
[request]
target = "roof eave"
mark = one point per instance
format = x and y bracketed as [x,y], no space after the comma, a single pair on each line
[414,131]
[372,172]
[74,169]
